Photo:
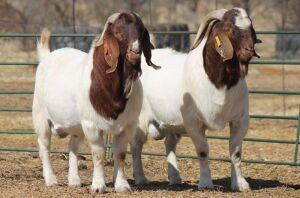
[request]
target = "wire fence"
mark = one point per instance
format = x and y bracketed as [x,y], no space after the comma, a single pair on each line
[294,142]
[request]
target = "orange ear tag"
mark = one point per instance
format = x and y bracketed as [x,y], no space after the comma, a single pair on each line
[105,49]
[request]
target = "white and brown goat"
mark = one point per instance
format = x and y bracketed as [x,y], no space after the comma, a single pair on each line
[202,90]
[89,94]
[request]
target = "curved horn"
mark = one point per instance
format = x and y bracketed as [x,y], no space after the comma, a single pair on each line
[99,39]
[217,14]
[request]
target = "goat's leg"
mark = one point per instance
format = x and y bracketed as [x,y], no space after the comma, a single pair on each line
[44,142]
[173,172]
[197,133]
[238,131]
[136,149]
[95,139]
[74,179]
[119,150]
[42,129]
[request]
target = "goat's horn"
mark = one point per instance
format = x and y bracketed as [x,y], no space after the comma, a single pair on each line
[110,19]
[217,14]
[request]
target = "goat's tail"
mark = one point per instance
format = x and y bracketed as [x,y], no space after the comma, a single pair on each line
[43,44]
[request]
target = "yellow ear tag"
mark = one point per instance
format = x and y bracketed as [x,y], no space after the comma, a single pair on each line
[218,41]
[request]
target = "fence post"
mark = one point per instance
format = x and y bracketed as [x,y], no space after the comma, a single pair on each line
[297,140]
[108,148]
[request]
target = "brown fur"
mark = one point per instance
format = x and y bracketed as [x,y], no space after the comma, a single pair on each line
[109,90]
[227,73]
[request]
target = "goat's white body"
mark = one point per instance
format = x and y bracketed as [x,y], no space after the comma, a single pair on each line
[162,89]
[165,90]
[63,89]
[63,81]
[180,98]
[57,85]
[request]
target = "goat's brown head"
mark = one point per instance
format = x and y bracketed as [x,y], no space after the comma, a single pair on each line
[117,62]
[125,38]
[233,37]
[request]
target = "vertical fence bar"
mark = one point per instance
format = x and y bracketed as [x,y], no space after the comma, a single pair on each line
[297,140]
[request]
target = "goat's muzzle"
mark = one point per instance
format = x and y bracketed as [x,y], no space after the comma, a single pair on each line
[133,56]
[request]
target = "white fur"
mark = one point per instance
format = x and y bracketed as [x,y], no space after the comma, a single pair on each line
[181,99]
[242,20]
[63,80]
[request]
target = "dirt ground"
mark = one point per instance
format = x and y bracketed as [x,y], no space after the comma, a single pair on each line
[21,173]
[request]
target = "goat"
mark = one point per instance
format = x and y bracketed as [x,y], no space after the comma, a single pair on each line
[88,94]
[204,89]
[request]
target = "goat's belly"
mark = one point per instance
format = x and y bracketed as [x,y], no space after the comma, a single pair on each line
[63,131]
[215,124]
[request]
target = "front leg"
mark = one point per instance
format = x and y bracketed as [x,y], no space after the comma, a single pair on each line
[196,130]
[119,150]
[95,139]
[238,130]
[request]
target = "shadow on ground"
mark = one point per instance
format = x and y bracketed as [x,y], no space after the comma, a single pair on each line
[222,185]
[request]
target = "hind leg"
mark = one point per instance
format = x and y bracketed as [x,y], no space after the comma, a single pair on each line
[42,129]
[74,179]
[136,149]
[173,172]
[44,142]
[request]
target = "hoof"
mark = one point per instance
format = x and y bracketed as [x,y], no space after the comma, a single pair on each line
[240,185]
[205,184]
[141,181]
[98,186]
[51,181]
[75,182]
[175,181]
[122,186]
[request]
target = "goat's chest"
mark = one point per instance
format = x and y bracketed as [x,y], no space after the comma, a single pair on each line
[213,107]
[91,119]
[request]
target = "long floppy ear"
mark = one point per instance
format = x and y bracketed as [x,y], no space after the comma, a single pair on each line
[147,47]
[111,51]
[223,46]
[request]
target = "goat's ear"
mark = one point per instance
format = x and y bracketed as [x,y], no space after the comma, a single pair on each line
[111,51]
[223,46]
[147,47]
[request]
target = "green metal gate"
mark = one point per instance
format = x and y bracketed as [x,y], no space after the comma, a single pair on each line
[294,162]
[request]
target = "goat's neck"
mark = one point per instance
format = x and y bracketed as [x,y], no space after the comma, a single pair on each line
[219,72]
[106,91]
